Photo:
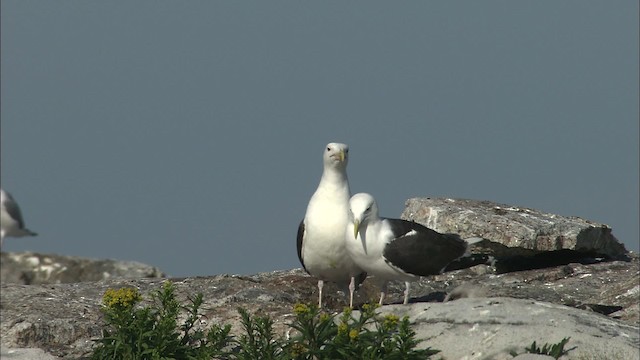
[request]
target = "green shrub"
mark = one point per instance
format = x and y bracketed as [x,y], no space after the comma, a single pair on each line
[151,332]
[367,336]
[258,340]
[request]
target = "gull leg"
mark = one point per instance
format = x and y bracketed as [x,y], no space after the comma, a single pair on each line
[406,292]
[352,288]
[383,291]
[320,285]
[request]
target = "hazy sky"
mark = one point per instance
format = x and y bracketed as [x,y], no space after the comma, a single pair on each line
[189,135]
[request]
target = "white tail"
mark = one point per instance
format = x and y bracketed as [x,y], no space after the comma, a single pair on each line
[473,240]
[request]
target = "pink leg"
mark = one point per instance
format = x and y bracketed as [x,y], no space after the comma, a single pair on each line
[352,288]
[383,292]
[406,292]
[320,285]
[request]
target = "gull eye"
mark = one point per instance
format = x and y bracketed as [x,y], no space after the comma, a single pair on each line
[328,149]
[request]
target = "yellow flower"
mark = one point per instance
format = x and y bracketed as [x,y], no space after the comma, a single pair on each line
[298,349]
[325,317]
[369,308]
[390,321]
[342,328]
[301,309]
[123,297]
[353,334]
[346,316]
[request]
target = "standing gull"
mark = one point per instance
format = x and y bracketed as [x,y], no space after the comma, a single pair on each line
[11,218]
[321,237]
[396,249]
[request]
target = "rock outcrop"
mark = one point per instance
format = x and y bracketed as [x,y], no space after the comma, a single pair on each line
[64,318]
[33,268]
[493,328]
[515,231]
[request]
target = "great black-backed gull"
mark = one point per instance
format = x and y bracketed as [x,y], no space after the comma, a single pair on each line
[11,220]
[321,236]
[396,249]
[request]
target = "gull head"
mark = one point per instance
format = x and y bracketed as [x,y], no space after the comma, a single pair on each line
[362,210]
[336,155]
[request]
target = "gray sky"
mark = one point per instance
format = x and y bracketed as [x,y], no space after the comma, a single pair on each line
[189,135]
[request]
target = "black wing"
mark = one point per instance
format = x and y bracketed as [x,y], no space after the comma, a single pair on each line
[14,210]
[425,251]
[299,243]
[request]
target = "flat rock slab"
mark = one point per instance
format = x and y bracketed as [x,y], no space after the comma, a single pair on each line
[519,230]
[492,328]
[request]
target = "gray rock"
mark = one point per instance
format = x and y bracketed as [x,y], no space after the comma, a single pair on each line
[62,319]
[610,288]
[492,328]
[26,354]
[532,357]
[33,268]
[513,230]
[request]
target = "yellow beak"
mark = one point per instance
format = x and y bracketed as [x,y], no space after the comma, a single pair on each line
[342,155]
[356,224]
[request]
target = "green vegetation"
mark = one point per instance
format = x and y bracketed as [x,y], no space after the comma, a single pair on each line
[554,350]
[367,336]
[151,332]
[134,331]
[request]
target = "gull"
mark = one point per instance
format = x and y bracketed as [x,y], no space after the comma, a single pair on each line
[11,220]
[396,249]
[321,238]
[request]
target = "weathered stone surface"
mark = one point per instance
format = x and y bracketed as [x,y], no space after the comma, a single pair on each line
[26,354]
[513,230]
[492,328]
[63,318]
[532,357]
[34,268]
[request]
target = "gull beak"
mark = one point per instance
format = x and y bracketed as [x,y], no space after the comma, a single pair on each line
[342,156]
[356,225]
